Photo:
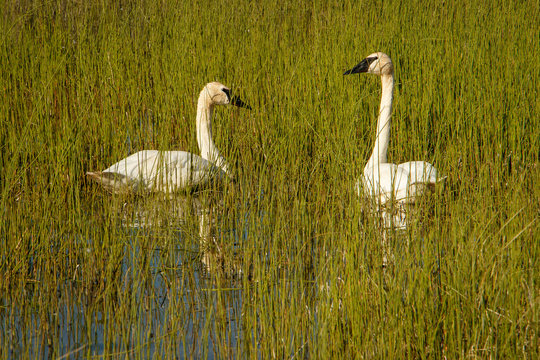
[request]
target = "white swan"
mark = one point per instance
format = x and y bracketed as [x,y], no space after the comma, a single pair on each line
[169,171]
[389,183]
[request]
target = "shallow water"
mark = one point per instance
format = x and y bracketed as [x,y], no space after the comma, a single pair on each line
[160,299]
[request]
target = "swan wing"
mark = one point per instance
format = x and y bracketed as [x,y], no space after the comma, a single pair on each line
[384,182]
[422,177]
[165,171]
[420,172]
[402,183]
[132,166]
[180,170]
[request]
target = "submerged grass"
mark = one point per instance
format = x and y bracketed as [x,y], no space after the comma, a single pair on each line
[87,274]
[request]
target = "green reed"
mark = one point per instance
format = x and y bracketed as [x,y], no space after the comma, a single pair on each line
[88,274]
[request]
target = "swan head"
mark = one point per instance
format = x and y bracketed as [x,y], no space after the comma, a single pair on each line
[377,63]
[219,94]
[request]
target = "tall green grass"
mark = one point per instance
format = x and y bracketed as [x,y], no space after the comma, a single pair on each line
[84,84]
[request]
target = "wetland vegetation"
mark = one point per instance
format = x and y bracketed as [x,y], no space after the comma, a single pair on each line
[87,274]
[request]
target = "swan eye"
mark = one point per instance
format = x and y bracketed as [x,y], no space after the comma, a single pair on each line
[370,60]
[227,92]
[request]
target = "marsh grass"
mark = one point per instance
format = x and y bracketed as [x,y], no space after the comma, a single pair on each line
[87,274]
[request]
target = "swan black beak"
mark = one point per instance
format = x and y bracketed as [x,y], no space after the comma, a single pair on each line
[236,101]
[361,67]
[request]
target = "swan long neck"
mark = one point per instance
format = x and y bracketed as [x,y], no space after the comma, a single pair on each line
[380,149]
[208,149]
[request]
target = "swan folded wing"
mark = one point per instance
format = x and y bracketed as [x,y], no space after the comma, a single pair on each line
[131,173]
[420,172]
[401,183]
[165,171]
[384,182]
[422,178]
[181,170]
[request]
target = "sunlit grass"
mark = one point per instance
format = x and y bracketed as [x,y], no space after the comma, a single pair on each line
[84,84]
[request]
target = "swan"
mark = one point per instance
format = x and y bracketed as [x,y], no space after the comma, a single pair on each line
[170,171]
[389,184]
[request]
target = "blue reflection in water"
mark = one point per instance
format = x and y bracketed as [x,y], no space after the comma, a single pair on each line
[70,331]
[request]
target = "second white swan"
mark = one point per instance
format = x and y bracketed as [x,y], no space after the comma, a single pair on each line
[389,183]
[170,171]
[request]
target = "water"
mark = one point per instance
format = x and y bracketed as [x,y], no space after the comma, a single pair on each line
[159,300]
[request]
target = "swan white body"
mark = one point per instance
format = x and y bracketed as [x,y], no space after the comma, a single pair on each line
[401,183]
[390,184]
[170,171]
